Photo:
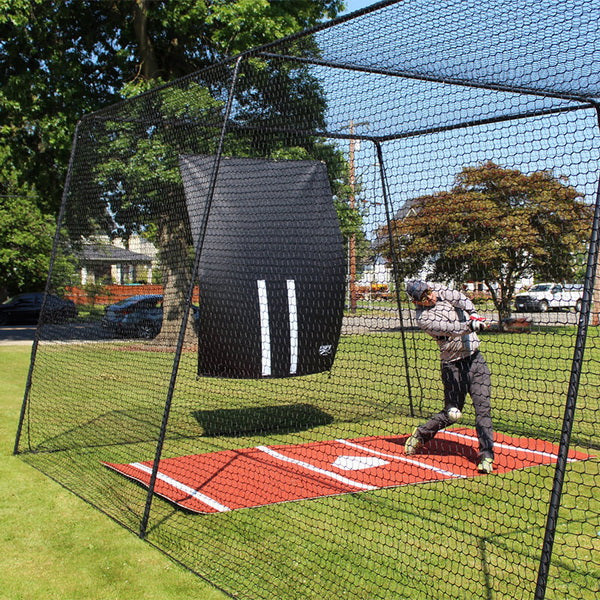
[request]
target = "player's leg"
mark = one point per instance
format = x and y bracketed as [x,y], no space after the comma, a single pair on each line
[455,377]
[455,380]
[480,391]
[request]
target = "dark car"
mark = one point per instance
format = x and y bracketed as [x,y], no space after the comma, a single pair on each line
[137,316]
[24,309]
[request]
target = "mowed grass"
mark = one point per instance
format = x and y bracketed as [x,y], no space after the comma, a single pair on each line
[473,538]
[57,547]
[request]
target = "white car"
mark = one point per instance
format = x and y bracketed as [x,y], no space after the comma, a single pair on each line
[543,297]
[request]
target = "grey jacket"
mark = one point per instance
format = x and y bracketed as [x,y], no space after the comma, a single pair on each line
[448,322]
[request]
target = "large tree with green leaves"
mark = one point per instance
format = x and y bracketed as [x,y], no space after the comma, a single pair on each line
[138,45]
[495,225]
[61,60]
[55,68]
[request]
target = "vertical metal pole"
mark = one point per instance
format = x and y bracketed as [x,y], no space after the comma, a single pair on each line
[36,338]
[352,238]
[181,338]
[571,401]
[388,218]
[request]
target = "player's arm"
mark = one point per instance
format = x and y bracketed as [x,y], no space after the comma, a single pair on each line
[431,323]
[464,303]
[457,299]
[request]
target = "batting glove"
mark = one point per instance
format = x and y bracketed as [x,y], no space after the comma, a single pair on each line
[476,323]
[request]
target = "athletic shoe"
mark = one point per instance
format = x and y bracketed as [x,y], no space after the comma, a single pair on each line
[486,466]
[413,443]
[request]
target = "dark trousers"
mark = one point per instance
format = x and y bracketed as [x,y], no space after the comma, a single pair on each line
[467,375]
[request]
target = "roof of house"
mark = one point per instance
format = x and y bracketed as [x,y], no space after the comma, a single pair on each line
[107,253]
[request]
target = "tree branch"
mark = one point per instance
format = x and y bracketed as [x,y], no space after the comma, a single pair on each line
[149,64]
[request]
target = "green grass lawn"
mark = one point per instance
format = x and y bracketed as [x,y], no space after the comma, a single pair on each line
[57,547]
[471,539]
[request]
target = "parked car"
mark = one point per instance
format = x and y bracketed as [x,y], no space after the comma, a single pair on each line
[547,296]
[24,309]
[137,316]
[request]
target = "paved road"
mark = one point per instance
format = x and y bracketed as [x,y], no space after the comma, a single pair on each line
[92,331]
[24,334]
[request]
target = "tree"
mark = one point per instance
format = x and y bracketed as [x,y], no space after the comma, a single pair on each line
[27,237]
[136,176]
[495,225]
[55,68]
[136,173]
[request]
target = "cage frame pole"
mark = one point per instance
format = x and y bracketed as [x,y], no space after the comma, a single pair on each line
[182,330]
[495,87]
[388,218]
[36,337]
[571,399]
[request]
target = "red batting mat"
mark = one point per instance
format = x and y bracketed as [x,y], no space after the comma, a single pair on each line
[232,479]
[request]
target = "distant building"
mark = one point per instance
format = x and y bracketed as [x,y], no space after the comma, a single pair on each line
[377,271]
[105,262]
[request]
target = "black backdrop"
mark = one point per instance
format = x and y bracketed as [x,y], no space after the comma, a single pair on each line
[272,268]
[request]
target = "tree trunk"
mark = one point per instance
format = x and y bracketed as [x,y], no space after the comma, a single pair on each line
[148,62]
[500,302]
[176,262]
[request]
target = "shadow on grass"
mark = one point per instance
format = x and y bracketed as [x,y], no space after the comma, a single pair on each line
[287,418]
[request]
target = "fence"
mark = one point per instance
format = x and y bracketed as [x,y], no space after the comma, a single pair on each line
[112,293]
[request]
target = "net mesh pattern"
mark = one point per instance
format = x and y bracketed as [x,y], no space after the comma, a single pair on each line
[460,147]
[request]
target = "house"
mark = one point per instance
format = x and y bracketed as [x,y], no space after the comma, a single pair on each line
[377,271]
[103,262]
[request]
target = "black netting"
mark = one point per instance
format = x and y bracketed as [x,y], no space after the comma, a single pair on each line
[247,242]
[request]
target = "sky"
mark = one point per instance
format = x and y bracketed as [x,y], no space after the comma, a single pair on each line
[426,164]
[352,5]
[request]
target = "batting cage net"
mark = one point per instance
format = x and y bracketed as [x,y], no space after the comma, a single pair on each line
[305,275]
